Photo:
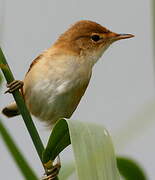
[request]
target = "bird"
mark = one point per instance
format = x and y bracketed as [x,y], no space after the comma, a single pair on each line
[58,78]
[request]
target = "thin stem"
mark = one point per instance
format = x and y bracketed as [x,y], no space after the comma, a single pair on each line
[153,14]
[153,22]
[16,154]
[22,107]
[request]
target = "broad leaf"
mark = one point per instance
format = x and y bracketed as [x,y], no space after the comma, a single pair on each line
[129,169]
[66,170]
[59,140]
[92,147]
[93,151]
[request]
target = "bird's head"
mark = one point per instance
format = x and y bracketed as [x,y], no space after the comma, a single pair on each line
[88,39]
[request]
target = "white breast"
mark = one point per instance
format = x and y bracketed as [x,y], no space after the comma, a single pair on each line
[49,88]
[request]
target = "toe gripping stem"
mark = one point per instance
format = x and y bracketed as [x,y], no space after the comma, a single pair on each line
[52,171]
[14,85]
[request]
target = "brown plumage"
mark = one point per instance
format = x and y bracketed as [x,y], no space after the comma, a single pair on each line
[34,62]
[58,78]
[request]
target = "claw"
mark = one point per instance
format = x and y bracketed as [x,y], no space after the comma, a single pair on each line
[53,172]
[14,85]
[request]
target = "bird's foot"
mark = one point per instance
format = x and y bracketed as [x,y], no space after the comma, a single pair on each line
[14,85]
[52,171]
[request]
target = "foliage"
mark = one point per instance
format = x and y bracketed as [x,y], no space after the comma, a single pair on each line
[16,154]
[92,146]
[129,169]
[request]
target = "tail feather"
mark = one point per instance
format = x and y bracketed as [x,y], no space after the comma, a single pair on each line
[11,110]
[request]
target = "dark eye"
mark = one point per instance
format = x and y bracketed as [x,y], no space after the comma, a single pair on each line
[95,38]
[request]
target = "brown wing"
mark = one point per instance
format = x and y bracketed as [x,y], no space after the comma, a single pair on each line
[34,62]
[77,95]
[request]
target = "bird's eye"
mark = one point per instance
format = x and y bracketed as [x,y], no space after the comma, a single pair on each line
[95,38]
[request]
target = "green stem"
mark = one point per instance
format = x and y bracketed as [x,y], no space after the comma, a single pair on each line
[17,156]
[153,22]
[153,14]
[22,107]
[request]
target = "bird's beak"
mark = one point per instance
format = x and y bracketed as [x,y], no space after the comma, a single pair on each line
[115,37]
[124,36]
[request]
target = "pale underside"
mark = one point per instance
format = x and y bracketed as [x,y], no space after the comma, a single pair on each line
[55,84]
[53,89]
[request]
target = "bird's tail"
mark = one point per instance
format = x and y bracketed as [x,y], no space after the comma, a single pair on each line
[11,110]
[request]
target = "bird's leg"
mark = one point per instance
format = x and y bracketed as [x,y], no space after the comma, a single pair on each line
[14,85]
[52,172]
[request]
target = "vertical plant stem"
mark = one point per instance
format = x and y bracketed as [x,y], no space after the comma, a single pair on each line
[16,154]
[153,12]
[153,22]
[22,107]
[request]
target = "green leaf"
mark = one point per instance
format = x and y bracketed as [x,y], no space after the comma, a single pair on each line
[93,151]
[66,170]
[92,147]
[59,140]
[129,169]
[153,21]
[0,78]
[16,154]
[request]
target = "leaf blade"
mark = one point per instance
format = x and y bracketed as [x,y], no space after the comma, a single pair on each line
[58,140]
[16,154]
[92,148]
[129,169]
[66,170]
[95,157]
